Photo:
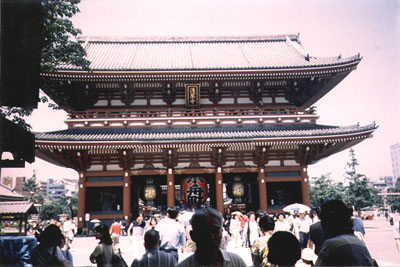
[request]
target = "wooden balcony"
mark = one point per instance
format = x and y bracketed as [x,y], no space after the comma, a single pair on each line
[169,117]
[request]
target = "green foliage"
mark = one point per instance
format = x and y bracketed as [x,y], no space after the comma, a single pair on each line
[73,205]
[394,201]
[59,46]
[32,187]
[69,205]
[59,34]
[323,189]
[50,210]
[358,192]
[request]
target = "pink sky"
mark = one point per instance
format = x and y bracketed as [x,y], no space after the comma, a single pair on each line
[327,28]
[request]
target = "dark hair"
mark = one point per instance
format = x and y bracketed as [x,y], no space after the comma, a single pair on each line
[336,218]
[153,218]
[198,219]
[103,229]
[284,249]
[266,223]
[279,214]
[172,212]
[51,236]
[250,213]
[151,238]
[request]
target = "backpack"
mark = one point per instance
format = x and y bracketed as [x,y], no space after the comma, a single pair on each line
[118,261]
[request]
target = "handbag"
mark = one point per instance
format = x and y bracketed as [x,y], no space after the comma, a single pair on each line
[118,261]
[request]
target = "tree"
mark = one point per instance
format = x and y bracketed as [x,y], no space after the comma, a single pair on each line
[31,186]
[358,192]
[323,188]
[394,201]
[50,210]
[59,46]
[69,205]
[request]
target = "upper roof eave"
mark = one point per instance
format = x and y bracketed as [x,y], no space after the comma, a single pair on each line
[185,39]
[197,54]
[69,72]
[208,134]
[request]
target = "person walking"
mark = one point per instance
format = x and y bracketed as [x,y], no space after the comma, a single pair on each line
[234,229]
[396,229]
[102,254]
[172,233]
[69,231]
[251,231]
[115,231]
[151,224]
[136,232]
[207,233]
[342,248]
[259,250]
[153,256]
[281,224]
[301,227]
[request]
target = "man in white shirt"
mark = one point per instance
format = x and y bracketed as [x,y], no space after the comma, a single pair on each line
[172,233]
[69,231]
[397,235]
[301,227]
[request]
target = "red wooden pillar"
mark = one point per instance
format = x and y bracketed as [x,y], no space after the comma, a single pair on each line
[170,188]
[219,190]
[127,196]
[81,199]
[305,191]
[262,189]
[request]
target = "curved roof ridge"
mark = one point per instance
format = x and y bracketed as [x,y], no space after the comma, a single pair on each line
[184,39]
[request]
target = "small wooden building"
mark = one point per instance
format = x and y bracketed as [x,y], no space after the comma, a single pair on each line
[181,121]
[15,211]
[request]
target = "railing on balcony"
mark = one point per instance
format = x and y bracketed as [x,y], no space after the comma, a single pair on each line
[168,117]
[168,113]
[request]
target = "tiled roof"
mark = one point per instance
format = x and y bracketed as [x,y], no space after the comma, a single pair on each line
[208,53]
[200,133]
[14,207]
[5,191]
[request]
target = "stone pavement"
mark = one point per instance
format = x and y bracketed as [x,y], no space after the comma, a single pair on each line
[379,238]
[380,241]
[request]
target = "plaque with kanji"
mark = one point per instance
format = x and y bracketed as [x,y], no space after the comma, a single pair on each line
[192,94]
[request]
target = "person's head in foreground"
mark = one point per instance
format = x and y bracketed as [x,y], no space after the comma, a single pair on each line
[336,218]
[51,236]
[151,239]
[266,223]
[284,249]
[206,229]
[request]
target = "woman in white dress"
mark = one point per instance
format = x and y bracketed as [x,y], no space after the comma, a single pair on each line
[234,229]
[281,224]
[251,231]
[136,233]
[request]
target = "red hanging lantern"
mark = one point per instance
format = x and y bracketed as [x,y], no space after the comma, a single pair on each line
[194,190]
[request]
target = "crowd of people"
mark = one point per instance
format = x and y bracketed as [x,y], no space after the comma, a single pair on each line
[331,237]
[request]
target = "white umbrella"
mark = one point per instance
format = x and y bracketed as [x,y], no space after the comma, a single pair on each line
[185,217]
[95,221]
[296,207]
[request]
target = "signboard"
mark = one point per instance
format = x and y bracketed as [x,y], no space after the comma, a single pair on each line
[192,95]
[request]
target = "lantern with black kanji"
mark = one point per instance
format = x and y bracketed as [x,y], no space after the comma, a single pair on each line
[237,190]
[150,192]
[194,191]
